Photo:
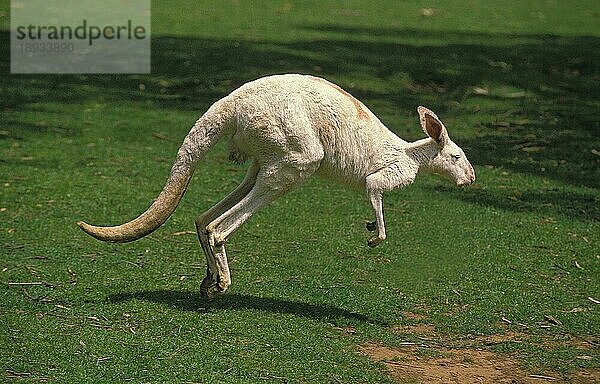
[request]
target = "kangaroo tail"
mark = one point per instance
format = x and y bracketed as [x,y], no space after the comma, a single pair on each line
[203,135]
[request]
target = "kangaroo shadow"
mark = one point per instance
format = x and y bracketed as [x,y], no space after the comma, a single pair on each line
[190,301]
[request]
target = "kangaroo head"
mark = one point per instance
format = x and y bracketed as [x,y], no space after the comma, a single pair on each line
[449,159]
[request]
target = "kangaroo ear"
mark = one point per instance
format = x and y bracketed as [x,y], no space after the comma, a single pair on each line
[433,126]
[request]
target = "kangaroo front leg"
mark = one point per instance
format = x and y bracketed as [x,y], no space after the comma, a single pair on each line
[385,179]
[376,198]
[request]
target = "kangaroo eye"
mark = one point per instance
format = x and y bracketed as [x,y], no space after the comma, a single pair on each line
[455,157]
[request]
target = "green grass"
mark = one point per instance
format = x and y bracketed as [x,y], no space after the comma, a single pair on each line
[515,82]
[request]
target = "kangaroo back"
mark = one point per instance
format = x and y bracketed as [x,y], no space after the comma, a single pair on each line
[203,135]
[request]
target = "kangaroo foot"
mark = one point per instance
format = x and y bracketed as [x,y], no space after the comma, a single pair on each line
[375,241]
[211,287]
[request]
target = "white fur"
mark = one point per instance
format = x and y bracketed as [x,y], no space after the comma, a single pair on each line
[289,127]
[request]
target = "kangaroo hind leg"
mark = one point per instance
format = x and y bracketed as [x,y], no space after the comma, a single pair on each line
[271,183]
[215,271]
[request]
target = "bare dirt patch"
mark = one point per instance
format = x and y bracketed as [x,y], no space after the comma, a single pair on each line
[587,376]
[435,358]
[462,365]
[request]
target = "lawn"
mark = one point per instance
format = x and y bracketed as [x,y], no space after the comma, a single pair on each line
[505,271]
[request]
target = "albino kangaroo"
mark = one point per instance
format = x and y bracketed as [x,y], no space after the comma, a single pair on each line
[292,126]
